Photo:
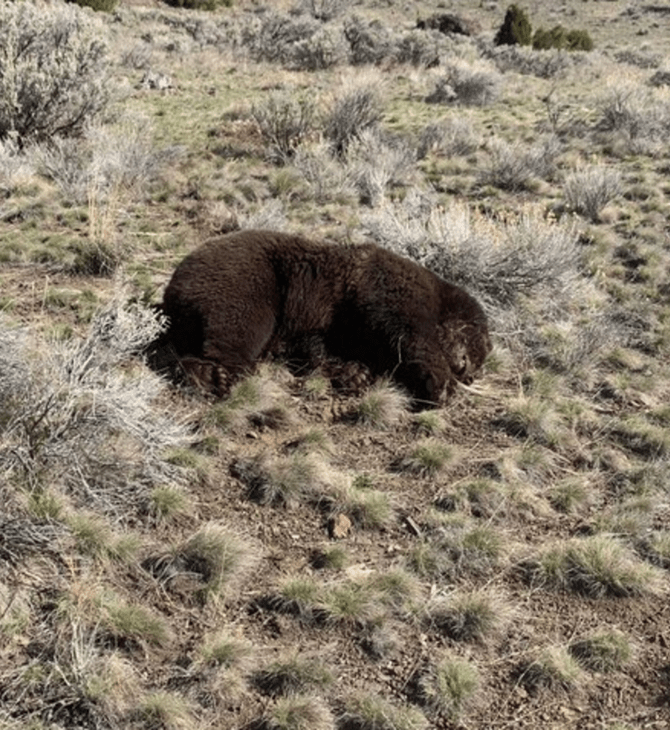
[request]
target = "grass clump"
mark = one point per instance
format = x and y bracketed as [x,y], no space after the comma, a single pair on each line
[427,458]
[595,566]
[569,495]
[167,710]
[216,555]
[482,498]
[370,509]
[298,596]
[226,651]
[449,687]
[298,713]
[395,588]
[554,669]
[370,712]
[168,502]
[291,676]
[331,558]
[351,603]
[257,401]
[530,419]
[135,623]
[631,517]
[645,439]
[316,386]
[655,548]
[284,481]
[465,616]
[92,535]
[378,639]
[461,550]
[428,423]
[384,406]
[314,440]
[606,651]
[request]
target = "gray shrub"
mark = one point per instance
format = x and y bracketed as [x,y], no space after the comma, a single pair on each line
[370,42]
[498,263]
[450,137]
[589,190]
[378,160]
[641,115]
[75,418]
[514,166]
[53,70]
[324,49]
[329,177]
[325,9]
[552,63]
[284,120]
[476,84]
[15,165]
[104,159]
[356,108]
[273,36]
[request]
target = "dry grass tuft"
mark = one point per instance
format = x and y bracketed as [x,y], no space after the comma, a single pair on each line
[427,458]
[605,651]
[167,710]
[467,616]
[298,713]
[300,478]
[384,406]
[458,550]
[291,676]
[595,566]
[370,712]
[449,687]
[259,401]
[553,670]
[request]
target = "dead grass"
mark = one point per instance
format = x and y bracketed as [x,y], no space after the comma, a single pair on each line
[384,406]
[467,616]
[554,670]
[595,566]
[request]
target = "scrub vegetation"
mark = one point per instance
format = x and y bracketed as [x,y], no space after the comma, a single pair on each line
[297,555]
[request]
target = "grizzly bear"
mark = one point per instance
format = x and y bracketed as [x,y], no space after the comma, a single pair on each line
[252,294]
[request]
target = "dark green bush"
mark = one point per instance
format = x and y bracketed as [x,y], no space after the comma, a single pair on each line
[104,6]
[559,37]
[545,39]
[579,40]
[516,28]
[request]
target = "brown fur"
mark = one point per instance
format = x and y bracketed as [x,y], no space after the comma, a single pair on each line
[250,294]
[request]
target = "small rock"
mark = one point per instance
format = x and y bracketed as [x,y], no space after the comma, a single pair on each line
[339,527]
